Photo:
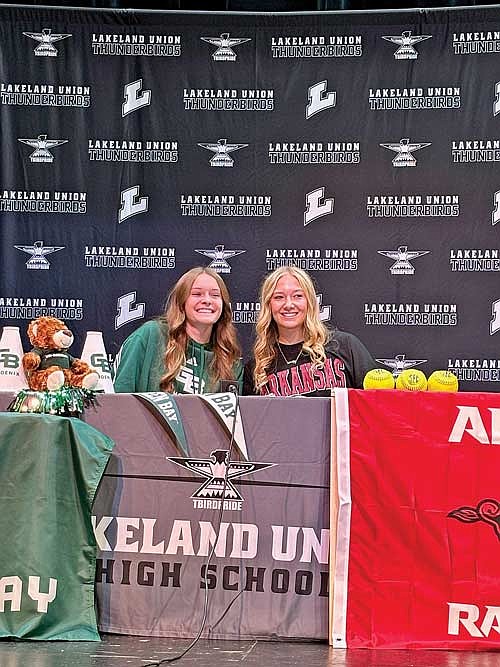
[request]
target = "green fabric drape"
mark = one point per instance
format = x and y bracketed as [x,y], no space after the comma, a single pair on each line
[49,471]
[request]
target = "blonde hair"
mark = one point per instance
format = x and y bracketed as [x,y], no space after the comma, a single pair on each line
[316,334]
[223,338]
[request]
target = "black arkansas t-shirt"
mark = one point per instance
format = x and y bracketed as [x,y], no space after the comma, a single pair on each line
[292,373]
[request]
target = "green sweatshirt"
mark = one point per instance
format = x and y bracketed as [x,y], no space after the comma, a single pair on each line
[140,363]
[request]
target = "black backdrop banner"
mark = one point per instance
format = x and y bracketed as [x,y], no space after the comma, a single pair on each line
[361,147]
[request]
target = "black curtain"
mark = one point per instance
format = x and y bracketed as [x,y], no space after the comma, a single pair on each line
[260,5]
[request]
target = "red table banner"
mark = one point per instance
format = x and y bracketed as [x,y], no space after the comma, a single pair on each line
[418,530]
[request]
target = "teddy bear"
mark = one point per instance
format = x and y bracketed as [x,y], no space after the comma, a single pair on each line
[48,366]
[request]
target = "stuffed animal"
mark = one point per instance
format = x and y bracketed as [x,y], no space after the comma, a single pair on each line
[48,366]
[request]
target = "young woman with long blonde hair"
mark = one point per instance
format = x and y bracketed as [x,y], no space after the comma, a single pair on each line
[190,348]
[294,353]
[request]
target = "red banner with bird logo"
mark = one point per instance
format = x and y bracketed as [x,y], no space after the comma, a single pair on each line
[418,528]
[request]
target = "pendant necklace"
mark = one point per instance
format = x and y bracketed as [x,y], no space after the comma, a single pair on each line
[292,361]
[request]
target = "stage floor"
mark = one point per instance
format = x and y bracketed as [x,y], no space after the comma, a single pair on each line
[120,650]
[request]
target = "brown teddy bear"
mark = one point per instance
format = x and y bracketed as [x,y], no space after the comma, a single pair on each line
[48,366]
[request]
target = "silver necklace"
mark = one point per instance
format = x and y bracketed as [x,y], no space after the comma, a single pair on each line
[292,361]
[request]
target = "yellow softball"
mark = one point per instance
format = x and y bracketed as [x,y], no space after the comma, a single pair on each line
[378,378]
[442,381]
[411,379]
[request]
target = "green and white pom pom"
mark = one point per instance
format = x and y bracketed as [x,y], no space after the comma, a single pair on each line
[66,401]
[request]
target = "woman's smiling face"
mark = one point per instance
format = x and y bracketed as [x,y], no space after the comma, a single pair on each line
[289,307]
[204,304]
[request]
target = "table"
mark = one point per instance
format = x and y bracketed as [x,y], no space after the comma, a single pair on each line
[154,537]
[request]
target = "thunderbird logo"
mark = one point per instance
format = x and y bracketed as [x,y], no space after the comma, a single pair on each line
[224,45]
[404,150]
[46,39]
[219,256]
[38,252]
[406,42]
[41,146]
[402,255]
[215,469]
[222,150]
[487,510]
[400,363]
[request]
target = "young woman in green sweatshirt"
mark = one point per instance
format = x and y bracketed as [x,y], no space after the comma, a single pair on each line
[190,348]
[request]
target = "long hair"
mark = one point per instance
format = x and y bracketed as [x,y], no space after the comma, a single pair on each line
[316,334]
[223,340]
